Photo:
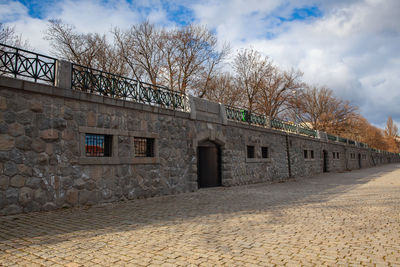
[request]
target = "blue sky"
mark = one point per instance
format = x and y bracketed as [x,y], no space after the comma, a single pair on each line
[350,46]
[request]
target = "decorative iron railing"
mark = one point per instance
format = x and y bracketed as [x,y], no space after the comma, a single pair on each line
[309,132]
[282,125]
[20,63]
[331,137]
[243,115]
[112,85]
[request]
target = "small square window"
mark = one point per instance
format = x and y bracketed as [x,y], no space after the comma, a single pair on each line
[305,154]
[264,152]
[250,152]
[312,153]
[144,147]
[98,145]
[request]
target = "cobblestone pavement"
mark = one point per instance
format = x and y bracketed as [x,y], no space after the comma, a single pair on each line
[348,219]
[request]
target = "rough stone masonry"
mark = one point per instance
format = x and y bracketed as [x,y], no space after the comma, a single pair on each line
[44,164]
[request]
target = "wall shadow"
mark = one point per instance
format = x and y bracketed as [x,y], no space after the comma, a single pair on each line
[43,228]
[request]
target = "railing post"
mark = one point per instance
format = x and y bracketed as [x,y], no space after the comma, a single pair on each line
[192,108]
[268,122]
[222,114]
[322,135]
[63,74]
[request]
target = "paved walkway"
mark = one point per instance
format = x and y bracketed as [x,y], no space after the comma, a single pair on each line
[349,219]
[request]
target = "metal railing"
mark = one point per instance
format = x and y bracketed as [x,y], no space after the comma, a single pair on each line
[107,84]
[331,137]
[20,63]
[243,115]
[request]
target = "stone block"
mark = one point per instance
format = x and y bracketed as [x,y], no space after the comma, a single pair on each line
[79,183]
[6,142]
[49,135]
[23,142]
[38,145]
[67,113]
[4,182]
[24,117]
[33,182]
[32,206]
[10,168]
[49,206]
[25,195]
[12,209]
[17,181]
[3,103]
[91,119]
[49,149]
[3,127]
[72,197]
[66,182]
[36,107]
[9,116]
[67,134]
[16,129]
[43,159]
[58,123]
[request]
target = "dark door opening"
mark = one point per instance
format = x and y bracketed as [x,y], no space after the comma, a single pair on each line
[325,160]
[208,165]
[359,161]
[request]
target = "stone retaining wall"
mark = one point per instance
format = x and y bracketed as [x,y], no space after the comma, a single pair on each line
[43,165]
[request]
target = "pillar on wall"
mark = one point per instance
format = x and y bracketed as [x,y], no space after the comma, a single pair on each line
[322,135]
[222,114]
[63,74]
[192,108]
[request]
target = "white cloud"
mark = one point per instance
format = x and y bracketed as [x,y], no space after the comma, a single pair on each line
[352,48]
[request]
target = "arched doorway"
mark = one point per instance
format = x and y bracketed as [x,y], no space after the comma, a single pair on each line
[208,164]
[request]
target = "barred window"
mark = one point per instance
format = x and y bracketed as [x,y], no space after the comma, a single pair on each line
[144,147]
[98,145]
[264,152]
[250,152]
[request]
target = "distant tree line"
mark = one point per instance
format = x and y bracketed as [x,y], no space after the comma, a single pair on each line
[190,60]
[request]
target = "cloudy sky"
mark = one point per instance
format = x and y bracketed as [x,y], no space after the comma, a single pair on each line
[351,46]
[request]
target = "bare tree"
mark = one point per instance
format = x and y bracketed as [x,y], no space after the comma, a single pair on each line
[192,57]
[320,109]
[278,89]
[90,50]
[391,129]
[222,89]
[251,71]
[9,36]
[391,133]
[142,50]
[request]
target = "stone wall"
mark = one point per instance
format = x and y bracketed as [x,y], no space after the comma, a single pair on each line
[43,165]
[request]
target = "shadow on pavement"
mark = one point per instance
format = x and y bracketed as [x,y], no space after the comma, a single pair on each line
[58,226]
